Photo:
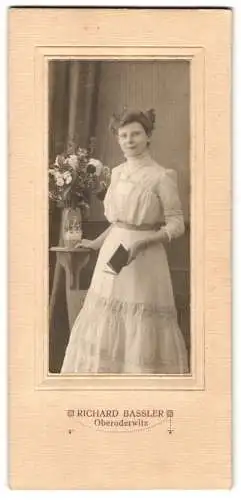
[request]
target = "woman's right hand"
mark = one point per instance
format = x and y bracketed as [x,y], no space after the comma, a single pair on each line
[91,244]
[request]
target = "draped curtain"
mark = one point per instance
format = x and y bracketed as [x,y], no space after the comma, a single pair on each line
[73,93]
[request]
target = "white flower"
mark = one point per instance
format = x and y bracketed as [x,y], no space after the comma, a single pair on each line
[82,152]
[68,179]
[57,175]
[60,181]
[97,164]
[73,161]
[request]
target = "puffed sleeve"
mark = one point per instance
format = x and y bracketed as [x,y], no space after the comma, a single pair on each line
[109,201]
[167,189]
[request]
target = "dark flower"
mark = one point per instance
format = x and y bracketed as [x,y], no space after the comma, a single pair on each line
[91,169]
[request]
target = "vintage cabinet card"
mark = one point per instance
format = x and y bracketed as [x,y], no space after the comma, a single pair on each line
[119,320]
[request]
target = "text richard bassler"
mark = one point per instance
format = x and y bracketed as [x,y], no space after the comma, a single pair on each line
[114,417]
[126,413]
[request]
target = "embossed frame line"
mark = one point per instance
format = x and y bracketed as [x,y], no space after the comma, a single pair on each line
[196,379]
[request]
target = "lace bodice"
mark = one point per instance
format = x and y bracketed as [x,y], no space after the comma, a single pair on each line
[143,192]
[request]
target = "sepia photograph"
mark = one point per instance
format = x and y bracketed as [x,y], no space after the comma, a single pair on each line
[119,217]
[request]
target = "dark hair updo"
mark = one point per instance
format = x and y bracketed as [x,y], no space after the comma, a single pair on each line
[145,118]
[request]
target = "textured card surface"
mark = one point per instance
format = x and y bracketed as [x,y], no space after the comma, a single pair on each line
[119,426]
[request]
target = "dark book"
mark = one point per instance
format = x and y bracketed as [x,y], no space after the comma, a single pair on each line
[119,259]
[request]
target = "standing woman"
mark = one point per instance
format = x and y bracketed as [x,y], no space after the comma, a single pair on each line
[128,323]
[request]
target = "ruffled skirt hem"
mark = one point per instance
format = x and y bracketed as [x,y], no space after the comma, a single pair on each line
[113,336]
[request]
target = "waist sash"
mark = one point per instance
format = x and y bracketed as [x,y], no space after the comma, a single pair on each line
[134,227]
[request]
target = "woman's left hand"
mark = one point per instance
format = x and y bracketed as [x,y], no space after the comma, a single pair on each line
[135,249]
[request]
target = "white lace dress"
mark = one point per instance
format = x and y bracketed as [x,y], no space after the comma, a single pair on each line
[128,323]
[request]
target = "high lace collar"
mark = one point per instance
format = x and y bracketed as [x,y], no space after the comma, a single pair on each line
[142,160]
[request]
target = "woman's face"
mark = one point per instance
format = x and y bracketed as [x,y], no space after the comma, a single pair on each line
[133,139]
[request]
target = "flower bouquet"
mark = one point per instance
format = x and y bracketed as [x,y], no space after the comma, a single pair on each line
[73,178]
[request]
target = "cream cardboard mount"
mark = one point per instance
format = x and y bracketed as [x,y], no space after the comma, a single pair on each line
[110,432]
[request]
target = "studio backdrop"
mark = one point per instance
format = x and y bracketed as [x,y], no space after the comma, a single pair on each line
[83,94]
